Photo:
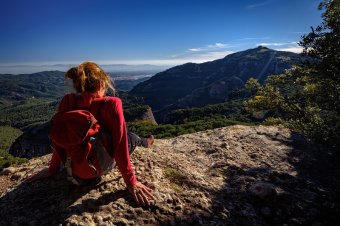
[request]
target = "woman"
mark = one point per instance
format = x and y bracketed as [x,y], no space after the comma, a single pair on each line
[91,84]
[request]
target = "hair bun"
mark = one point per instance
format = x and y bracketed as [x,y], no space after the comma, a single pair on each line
[72,73]
[89,77]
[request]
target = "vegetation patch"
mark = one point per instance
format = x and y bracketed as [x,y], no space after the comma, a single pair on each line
[7,159]
[232,110]
[28,112]
[174,175]
[306,98]
[7,137]
[143,128]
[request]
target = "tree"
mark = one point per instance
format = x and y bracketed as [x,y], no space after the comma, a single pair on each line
[323,43]
[307,97]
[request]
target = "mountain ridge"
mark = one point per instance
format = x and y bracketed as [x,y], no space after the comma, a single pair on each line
[211,82]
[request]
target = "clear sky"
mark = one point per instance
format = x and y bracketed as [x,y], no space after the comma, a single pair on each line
[160,32]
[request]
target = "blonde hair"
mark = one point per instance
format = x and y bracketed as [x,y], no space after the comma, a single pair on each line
[89,77]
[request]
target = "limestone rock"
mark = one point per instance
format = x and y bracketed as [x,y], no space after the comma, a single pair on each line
[9,170]
[237,175]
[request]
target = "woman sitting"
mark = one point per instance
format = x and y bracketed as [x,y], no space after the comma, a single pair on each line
[91,84]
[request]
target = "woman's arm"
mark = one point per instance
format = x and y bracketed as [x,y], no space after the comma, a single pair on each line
[117,128]
[140,193]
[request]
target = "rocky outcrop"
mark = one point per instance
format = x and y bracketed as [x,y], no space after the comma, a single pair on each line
[143,114]
[235,175]
[139,113]
[148,116]
[33,142]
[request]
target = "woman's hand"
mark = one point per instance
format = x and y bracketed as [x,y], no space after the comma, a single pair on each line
[141,194]
[44,173]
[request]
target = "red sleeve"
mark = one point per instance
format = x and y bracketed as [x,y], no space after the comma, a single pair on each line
[117,128]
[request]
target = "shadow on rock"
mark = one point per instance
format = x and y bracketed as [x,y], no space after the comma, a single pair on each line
[52,201]
[269,196]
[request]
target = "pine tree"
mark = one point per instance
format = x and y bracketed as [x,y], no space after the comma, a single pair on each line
[307,97]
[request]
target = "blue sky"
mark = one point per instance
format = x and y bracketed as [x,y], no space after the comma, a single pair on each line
[160,32]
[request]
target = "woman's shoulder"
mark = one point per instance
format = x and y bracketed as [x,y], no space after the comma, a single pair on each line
[69,96]
[67,101]
[112,103]
[113,100]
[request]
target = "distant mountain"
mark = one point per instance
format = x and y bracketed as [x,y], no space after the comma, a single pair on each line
[43,85]
[23,69]
[50,85]
[133,68]
[211,82]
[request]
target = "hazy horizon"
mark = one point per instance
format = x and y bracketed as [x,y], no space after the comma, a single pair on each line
[109,68]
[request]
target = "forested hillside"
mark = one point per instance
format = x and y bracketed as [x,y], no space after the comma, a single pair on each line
[46,85]
[28,113]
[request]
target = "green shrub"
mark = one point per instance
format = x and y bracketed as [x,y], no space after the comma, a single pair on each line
[174,175]
[7,137]
[7,159]
[144,129]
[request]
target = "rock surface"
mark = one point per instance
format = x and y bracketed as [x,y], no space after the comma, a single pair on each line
[206,178]
[33,142]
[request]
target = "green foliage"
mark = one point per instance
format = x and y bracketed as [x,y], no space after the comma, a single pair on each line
[307,97]
[175,177]
[273,121]
[7,137]
[253,85]
[129,100]
[6,159]
[233,110]
[144,129]
[28,112]
[135,112]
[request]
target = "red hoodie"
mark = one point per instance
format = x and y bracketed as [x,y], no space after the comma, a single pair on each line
[112,118]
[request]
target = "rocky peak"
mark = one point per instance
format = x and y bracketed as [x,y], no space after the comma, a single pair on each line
[235,175]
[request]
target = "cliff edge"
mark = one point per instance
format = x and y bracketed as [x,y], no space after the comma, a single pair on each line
[236,175]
